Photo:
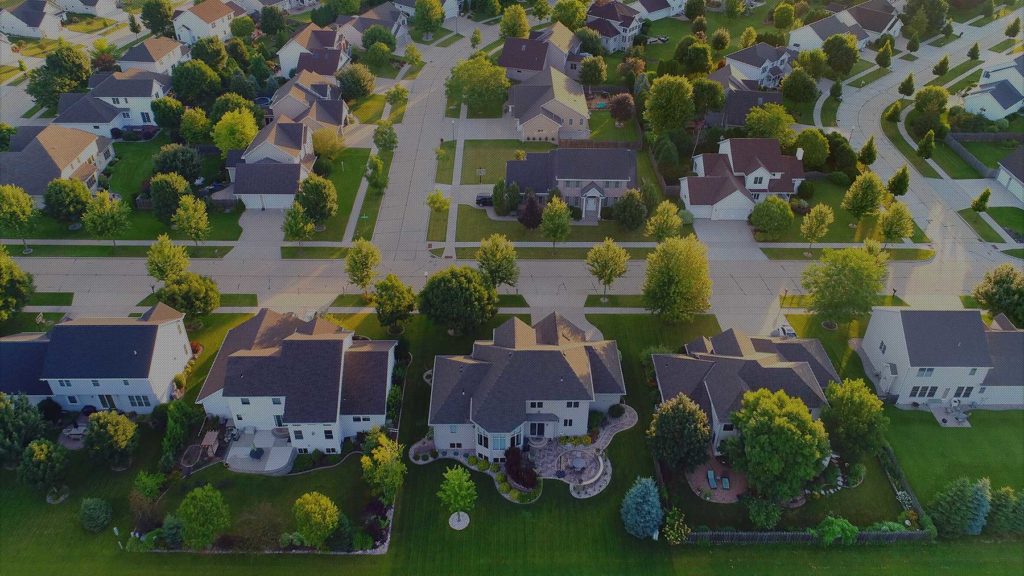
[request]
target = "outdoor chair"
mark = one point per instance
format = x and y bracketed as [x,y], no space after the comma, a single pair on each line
[711,479]
[725,482]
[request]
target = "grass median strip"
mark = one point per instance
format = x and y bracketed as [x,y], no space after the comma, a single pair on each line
[512,301]
[868,78]
[798,253]
[350,300]
[108,251]
[312,252]
[892,132]
[226,299]
[614,301]
[804,300]
[548,253]
[981,227]
[51,299]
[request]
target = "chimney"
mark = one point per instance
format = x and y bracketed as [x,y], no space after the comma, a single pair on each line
[799,153]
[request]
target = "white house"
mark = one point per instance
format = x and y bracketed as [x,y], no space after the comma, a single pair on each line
[115,100]
[617,24]
[866,21]
[208,18]
[1000,90]
[311,379]
[450,7]
[387,15]
[39,154]
[536,381]
[275,163]
[1011,173]
[946,357]
[126,364]
[32,19]
[101,8]
[745,171]
[156,54]
[716,372]
[316,49]
[658,9]
[763,62]
[311,99]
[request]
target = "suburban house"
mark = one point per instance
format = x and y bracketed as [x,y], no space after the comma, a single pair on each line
[115,100]
[555,46]
[549,107]
[320,50]
[33,19]
[587,178]
[716,372]
[450,7]
[1011,173]
[126,364]
[745,171]
[156,54]
[386,15]
[537,381]
[208,18]
[762,62]
[309,378]
[741,94]
[947,357]
[1000,90]
[311,99]
[658,9]
[254,6]
[102,8]
[39,154]
[270,170]
[617,23]
[6,54]
[866,21]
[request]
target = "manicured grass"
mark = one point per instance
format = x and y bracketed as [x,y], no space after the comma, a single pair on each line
[26,322]
[828,112]
[312,252]
[952,164]
[861,66]
[370,209]
[982,228]
[446,163]
[493,110]
[512,301]
[954,72]
[225,300]
[346,300]
[549,253]
[932,456]
[474,224]
[8,72]
[677,29]
[943,40]
[414,71]
[31,112]
[909,151]
[370,109]
[34,47]
[491,155]
[868,78]
[645,169]
[798,253]
[418,37]
[990,153]
[108,251]
[1004,45]
[908,57]
[825,192]
[1008,217]
[969,301]
[397,114]
[346,174]
[51,299]
[87,24]
[804,300]
[437,227]
[965,83]
[453,107]
[1017,253]
[452,39]
[615,301]
[802,112]
[835,342]
[602,128]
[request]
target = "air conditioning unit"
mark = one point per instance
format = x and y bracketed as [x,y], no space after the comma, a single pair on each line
[954,402]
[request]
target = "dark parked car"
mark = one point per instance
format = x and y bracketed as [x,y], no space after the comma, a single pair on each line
[484,200]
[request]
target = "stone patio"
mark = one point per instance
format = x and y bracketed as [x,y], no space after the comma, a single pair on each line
[277,459]
[698,481]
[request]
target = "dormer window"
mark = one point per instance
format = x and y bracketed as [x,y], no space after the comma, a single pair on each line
[758,179]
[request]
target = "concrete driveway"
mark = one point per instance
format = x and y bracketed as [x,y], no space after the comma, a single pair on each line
[728,240]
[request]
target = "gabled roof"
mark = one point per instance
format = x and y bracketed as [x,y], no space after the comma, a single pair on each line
[945,338]
[38,154]
[22,357]
[559,36]
[312,37]
[873,15]
[603,27]
[529,97]
[834,25]
[1003,92]
[267,177]
[284,135]
[523,53]
[320,60]
[210,11]
[1014,164]
[151,50]
[1005,342]
[612,10]
[654,5]
[32,12]
[540,171]
[758,54]
[365,377]
[134,82]
[738,104]
[78,108]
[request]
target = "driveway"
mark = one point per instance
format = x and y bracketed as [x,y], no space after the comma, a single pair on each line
[728,240]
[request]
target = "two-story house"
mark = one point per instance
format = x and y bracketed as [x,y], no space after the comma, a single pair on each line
[549,106]
[269,172]
[33,19]
[556,47]
[316,49]
[126,364]
[537,381]
[311,99]
[39,154]
[742,93]
[659,9]
[156,54]
[101,8]
[115,101]
[385,15]
[1000,90]
[763,62]
[716,372]
[866,21]
[617,23]
[945,357]
[745,171]
[449,7]
[587,178]
[208,18]
[310,379]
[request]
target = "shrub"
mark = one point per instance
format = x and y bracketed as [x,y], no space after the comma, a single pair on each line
[482,465]
[94,514]
[857,473]
[616,410]
[799,206]
[472,460]
[839,178]
[520,469]
[641,509]
[961,507]
[495,467]
[806,190]
[676,531]
[886,526]
[833,528]
[764,514]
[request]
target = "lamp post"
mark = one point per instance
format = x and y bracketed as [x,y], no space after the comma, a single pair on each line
[453,130]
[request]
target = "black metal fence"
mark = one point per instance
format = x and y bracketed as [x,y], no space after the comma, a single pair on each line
[721,537]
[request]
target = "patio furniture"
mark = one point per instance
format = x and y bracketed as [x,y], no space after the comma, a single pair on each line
[74,432]
[725,482]
[209,443]
[711,479]
[579,463]
[256,453]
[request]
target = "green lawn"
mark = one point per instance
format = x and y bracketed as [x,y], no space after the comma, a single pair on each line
[799,253]
[346,300]
[826,192]
[870,77]
[418,37]
[346,174]
[312,253]
[615,301]
[943,40]
[26,322]
[51,299]
[676,29]
[909,151]
[452,39]
[512,301]
[1017,253]
[414,71]
[491,155]
[108,251]
[397,114]
[804,300]
[802,112]
[474,224]
[1008,217]
[493,45]
[602,128]
[238,300]
[389,69]
[86,24]
[371,203]
[34,47]
[954,72]
[492,110]
[835,342]
[828,112]
[549,253]
[453,107]
[645,169]
[908,57]
[965,83]
[982,228]
[932,456]
[370,109]
[437,227]
[446,163]
[952,164]
[31,112]
[990,153]
[8,72]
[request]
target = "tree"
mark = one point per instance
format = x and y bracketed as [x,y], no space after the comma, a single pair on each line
[158,17]
[106,218]
[514,23]
[815,146]
[531,215]
[665,222]
[678,283]
[438,202]
[318,198]
[378,33]
[16,286]
[607,262]
[94,514]
[204,515]
[961,507]
[593,71]
[459,298]
[900,182]
[383,468]
[1001,291]
[708,95]
[679,433]
[1005,514]
[931,100]
[980,203]
[194,82]
[641,507]
[133,24]
[1013,29]
[783,16]
[799,86]
[6,133]
[497,260]
[235,131]
[44,465]
[396,95]
[361,263]
[178,159]
[17,212]
[926,145]
[412,55]
[66,69]
[845,283]
[165,259]
[697,58]
[622,108]
[780,446]
[764,514]
[669,104]
[907,86]
[231,101]
[20,423]
[395,302]
[166,191]
[195,127]
[458,491]
[942,66]
[771,121]
[694,8]
[111,436]
[748,38]
[384,136]
[721,39]
[842,53]
[376,176]
[477,38]
[541,10]
[884,56]
[242,27]
[772,217]
[66,199]
[193,295]
[428,16]
[316,518]
[835,92]
[868,153]
[571,13]
[913,43]
[296,225]
[378,55]
[975,52]
[328,144]
[855,419]
[816,223]
[480,82]
[630,210]
[832,529]
[271,20]
[814,62]
[192,219]
[355,81]
[103,55]
[865,195]
[896,222]
[554,222]
[590,41]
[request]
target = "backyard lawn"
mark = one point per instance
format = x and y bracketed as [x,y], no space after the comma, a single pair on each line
[26,322]
[346,174]
[676,29]
[981,227]
[602,128]
[990,153]
[1009,217]
[369,109]
[491,155]
[474,225]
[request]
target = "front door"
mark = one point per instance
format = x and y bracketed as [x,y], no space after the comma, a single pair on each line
[592,204]
[107,401]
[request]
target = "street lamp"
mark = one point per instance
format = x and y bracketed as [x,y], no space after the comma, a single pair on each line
[453,130]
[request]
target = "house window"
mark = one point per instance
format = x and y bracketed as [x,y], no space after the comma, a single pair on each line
[125,382]
[328,434]
[238,417]
[245,401]
[298,434]
[117,100]
[914,391]
[278,421]
[758,179]
[483,440]
[131,399]
[925,372]
[303,450]
[536,404]
[145,118]
[567,422]
[881,346]
[64,383]
[453,428]
[932,390]
[275,401]
[727,427]
[500,442]
[95,382]
[574,404]
[972,372]
[106,153]
[332,450]
[536,428]
[967,392]
[570,121]
[455,444]
[981,390]
[126,115]
[72,400]
[515,437]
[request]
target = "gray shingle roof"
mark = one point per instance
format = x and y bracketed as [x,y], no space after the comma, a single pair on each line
[945,338]
[1003,92]
[758,54]
[541,170]
[135,83]
[22,358]
[31,12]
[1014,163]
[523,53]
[78,108]
[365,377]
[38,154]
[151,50]
[267,178]
[833,25]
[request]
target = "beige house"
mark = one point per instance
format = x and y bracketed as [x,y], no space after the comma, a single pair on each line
[39,154]
[209,18]
[156,54]
[311,99]
[549,107]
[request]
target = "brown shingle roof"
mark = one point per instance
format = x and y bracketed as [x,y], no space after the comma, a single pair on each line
[210,11]
[151,50]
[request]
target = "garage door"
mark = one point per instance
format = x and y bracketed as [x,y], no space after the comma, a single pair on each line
[728,213]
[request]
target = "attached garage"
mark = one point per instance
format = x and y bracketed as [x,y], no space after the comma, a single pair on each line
[267,185]
[736,206]
[1011,173]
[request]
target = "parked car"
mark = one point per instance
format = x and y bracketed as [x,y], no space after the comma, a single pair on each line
[484,200]
[784,331]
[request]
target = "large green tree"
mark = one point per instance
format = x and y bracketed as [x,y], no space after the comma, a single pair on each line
[44,465]
[815,146]
[211,51]
[166,191]
[479,82]
[554,222]
[458,491]
[106,218]
[514,23]
[854,418]
[841,53]
[395,302]
[665,222]
[845,283]
[428,16]
[571,13]
[816,223]
[771,121]
[165,259]
[383,468]
[316,518]
[179,159]
[1001,291]
[361,263]
[112,436]
[167,113]
[607,262]
[497,261]
[678,283]
[66,69]
[896,222]
[458,298]
[158,17]
[16,286]
[17,212]
[356,81]
[864,197]
[669,104]
[194,83]
[318,198]
[191,294]
[20,423]
[235,131]
[66,199]
[204,515]
[679,433]
[191,218]
[772,217]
